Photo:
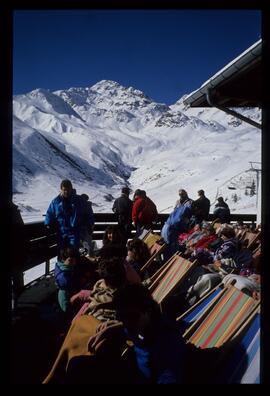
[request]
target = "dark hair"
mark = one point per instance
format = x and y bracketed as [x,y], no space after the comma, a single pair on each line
[228,232]
[137,193]
[143,193]
[220,199]
[201,192]
[183,192]
[140,249]
[125,190]
[113,250]
[117,236]
[112,271]
[136,296]
[66,184]
[85,196]
[66,252]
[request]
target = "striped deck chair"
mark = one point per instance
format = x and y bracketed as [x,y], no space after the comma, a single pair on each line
[240,234]
[243,365]
[219,322]
[156,249]
[251,239]
[174,273]
[216,225]
[194,312]
[150,238]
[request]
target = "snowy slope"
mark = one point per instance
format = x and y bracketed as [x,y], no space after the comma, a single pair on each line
[105,136]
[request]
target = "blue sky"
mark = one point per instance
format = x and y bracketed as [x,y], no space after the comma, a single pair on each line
[164,53]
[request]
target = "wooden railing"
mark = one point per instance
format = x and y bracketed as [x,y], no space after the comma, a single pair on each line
[41,246]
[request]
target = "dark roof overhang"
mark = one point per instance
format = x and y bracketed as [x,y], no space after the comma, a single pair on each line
[239,84]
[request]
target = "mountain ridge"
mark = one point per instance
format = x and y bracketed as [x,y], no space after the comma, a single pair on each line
[107,135]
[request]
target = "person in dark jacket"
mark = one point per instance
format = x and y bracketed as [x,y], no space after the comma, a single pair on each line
[122,207]
[144,212]
[113,244]
[66,213]
[87,225]
[222,211]
[137,254]
[200,207]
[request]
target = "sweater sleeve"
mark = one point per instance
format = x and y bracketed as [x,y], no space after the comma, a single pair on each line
[50,215]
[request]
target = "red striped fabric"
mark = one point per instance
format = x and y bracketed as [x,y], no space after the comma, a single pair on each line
[224,318]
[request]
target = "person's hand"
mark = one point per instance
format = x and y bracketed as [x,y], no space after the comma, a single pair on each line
[104,330]
[83,295]
[74,298]
[95,259]
[217,263]
[256,295]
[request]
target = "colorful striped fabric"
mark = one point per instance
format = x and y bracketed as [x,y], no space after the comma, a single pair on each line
[150,239]
[187,319]
[171,278]
[245,367]
[155,250]
[227,315]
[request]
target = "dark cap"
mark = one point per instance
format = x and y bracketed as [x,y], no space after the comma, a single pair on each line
[85,196]
[138,193]
[126,190]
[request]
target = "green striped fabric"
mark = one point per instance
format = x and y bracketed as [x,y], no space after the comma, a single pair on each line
[171,278]
[224,318]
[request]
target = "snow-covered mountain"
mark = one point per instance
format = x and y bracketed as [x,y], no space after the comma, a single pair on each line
[107,136]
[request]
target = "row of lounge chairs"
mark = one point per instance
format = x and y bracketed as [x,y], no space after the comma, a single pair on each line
[224,318]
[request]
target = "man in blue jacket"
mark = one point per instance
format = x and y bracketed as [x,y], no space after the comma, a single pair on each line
[67,212]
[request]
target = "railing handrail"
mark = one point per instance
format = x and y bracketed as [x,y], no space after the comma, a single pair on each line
[42,247]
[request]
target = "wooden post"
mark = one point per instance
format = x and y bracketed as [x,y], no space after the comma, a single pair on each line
[47,267]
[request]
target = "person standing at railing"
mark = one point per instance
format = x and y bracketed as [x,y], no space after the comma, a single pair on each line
[122,207]
[66,213]
[87,225]
[144,212]
[222,211]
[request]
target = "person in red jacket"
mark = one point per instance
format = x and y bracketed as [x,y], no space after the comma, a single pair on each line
[144,212]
